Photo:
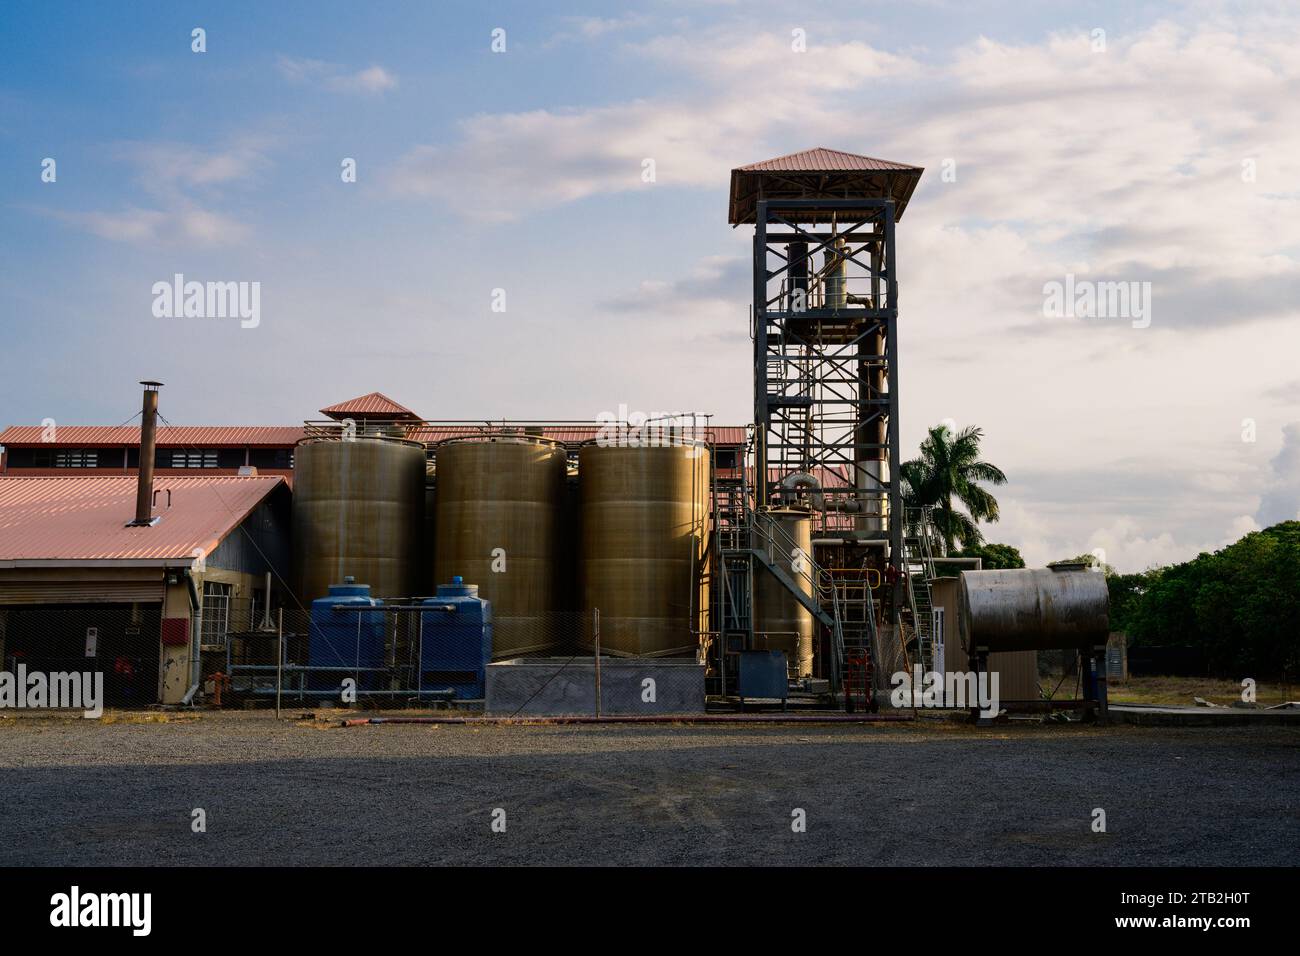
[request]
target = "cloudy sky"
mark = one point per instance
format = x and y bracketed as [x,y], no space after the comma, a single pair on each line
[1126,142]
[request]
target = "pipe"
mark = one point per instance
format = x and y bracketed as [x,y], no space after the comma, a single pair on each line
[828,718]
[148,445]
[196,662]
[801,479]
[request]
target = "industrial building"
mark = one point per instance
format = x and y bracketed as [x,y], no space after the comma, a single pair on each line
[434,560]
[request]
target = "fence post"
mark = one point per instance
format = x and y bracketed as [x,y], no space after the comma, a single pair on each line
[595,615]
[279,657]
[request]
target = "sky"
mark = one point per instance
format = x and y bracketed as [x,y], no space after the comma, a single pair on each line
[498,153]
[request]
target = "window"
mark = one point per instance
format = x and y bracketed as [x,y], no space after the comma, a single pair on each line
[76,458]
[281,458]
[186,458]
[216,614]
[726,458]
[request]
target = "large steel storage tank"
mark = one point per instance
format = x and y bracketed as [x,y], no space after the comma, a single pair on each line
[645,545]
[358,507]
[499,507]
[781,622]
[1021,609]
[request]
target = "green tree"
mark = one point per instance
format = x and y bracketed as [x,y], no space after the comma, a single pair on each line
[1241,605]
[993,557]
[948,472]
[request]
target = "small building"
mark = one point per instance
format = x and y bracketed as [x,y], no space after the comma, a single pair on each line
[80,590]
[1017,670]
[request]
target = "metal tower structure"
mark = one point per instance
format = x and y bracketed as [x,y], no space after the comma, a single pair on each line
[824,327]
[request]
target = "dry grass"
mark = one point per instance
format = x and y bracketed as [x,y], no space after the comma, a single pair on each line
[1181,690]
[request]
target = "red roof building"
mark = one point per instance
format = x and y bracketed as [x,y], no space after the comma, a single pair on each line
[51,522]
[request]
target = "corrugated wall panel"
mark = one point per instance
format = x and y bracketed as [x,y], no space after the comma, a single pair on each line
[80,592]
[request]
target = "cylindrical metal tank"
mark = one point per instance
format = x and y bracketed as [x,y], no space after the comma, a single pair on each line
[781,623]
[358,508]
[1020,609]
[645,545]
[499,507]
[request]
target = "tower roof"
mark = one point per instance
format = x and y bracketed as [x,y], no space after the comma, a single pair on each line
[373,405]
[820,173]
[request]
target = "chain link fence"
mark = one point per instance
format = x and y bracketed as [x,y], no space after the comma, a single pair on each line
[413,653]
[121,643]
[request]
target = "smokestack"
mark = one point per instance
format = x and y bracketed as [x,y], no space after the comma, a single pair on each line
[148,442]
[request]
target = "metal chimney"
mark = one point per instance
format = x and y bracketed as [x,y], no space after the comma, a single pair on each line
[148,442]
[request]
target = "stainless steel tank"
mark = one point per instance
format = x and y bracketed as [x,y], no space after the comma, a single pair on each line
[645,545]
[1020,609]
[500,504]
[358,510]
[781,623]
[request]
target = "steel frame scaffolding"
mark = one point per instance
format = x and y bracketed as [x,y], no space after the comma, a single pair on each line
[826,364]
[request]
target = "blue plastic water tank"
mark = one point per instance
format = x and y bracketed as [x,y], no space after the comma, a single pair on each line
[456,643]
[351,639]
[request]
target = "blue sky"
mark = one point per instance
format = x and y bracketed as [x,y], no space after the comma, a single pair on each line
[521,171]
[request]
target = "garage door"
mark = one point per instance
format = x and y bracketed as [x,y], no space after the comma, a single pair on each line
[80,592]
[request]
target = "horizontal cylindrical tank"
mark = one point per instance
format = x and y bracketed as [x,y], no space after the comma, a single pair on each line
[1019,609]
[781,623]
[499,507]
[645,543]
[358,508]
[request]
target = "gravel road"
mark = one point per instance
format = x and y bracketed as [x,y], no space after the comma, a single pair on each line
[82,792]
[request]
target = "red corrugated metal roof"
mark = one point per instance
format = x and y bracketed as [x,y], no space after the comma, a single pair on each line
[819,173]
[718,434]
[822,160]
[193,436]
[376,404]
[83,519]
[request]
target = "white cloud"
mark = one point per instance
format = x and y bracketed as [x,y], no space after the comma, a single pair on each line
[1281,499]
[182,224]
[335,77]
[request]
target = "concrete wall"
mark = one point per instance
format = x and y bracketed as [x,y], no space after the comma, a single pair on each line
[558,686]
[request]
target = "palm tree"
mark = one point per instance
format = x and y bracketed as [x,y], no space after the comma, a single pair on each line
[947,471]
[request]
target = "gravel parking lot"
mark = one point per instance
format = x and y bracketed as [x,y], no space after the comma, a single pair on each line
[82,792]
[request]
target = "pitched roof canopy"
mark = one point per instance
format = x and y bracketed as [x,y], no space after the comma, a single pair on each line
[820,173]
[373,405]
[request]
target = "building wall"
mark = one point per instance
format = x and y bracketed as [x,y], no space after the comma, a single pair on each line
[174,662]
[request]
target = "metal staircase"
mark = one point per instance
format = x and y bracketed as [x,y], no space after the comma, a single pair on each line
[843,604]
[918,567]
[856,612]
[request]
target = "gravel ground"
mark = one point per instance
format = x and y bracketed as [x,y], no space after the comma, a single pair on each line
[81,792]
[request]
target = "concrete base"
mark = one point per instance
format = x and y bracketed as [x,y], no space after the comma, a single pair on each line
[1150,715]
[559,687]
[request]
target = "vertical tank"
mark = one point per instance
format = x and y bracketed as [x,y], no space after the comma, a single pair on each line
[344,637]
[781,623]
[358,508]
[645,545]
[456,640]
[499,507]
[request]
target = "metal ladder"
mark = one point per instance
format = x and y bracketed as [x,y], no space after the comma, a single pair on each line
[918,566]
[856,613]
